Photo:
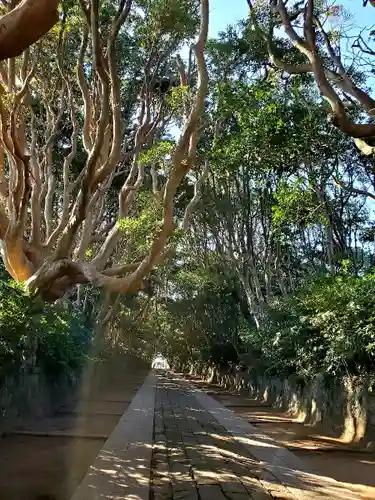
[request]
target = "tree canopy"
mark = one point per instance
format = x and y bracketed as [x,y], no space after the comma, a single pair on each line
[208,198]
[74,140]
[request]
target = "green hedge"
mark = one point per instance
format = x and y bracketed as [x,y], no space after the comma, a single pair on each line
[328,326]
[63,337]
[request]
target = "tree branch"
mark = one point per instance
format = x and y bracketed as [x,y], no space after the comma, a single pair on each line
[309,49]
[25,25]
[197,196]
[352,189]
[178,171]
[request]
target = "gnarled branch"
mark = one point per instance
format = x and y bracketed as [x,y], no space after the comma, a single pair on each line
[25,25]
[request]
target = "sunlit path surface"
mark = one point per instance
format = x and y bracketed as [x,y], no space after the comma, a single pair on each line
[175,442]
[317,468]
[195,457]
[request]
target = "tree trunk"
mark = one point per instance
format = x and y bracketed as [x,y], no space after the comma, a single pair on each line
[268,277]
[25,25]
[327,229]
[251,300]
[279,273]
[329,243]
[258,289]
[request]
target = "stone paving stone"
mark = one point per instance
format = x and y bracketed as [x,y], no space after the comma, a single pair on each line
[162,492]
[194,456]
[228,478]
[234,487]
[262,495]
[241,496]
[184,491]
[211,492]
[205,477]
[252,483]
[189,495]
[162,468]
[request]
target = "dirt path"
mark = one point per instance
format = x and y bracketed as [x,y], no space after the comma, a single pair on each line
[46,459]
[328,458]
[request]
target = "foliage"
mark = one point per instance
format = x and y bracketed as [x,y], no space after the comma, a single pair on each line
[140,228]
[178,99]
[169,18]
[296,204]
[327,326]
[276,268]
[260,277]
[63,339]
[276,271]
[157,153]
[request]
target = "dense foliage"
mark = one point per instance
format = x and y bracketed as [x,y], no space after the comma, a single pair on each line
[325,326]
[58,335]
[251,241]
[276,270]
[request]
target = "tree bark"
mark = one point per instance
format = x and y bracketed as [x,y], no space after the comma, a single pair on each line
[25,25]
[54,260]
[251,301]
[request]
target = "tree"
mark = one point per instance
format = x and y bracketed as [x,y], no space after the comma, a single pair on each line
[320,46]
[275,268]
[57,225]
[25,24]
[272,156]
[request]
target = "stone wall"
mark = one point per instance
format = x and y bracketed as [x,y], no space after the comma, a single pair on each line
[345,405]
[26,395]
[29,395]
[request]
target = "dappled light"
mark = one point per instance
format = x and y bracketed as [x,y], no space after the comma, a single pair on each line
[187,242]
[193,453]
[337,475]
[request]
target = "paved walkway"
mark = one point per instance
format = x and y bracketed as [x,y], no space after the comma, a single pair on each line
[177,443]
[195,457]
[122,468]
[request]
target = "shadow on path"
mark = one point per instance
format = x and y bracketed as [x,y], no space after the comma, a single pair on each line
[305,477]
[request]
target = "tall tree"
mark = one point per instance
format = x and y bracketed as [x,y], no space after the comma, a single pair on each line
[275,164]
[72,144]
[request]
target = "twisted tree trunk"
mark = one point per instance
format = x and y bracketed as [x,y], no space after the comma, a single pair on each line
[25,25]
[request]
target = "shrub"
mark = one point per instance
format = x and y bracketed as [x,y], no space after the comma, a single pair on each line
[327,326]
[63,337]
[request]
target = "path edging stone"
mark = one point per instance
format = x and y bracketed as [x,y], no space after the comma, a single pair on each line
[122,467]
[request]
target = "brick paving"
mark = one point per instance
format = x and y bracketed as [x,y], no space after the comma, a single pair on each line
[194,457]
[175,442]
